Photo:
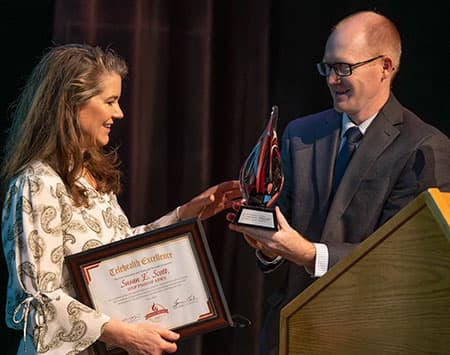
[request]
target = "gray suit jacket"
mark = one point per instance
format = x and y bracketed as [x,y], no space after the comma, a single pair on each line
[399,157]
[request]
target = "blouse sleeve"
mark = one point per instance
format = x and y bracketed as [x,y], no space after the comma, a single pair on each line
[168,219]
[33,242]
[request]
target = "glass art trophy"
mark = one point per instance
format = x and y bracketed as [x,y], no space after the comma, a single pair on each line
[261,180]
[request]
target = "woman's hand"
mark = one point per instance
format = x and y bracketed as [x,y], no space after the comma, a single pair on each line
[140,338]
[211,201]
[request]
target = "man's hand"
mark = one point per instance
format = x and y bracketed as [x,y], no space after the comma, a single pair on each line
[285,242]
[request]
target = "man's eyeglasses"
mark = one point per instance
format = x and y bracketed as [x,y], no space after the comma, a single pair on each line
[342,69]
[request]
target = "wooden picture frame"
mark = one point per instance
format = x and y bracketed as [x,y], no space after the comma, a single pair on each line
[166,276]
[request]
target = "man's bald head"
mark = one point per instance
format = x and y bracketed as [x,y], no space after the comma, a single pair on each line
[379,33]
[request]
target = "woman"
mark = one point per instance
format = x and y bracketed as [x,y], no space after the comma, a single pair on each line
[60,198]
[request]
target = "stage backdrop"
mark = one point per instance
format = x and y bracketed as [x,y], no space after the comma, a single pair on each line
[203,76]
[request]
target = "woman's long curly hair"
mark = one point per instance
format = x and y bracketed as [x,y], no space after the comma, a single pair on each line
[45,123]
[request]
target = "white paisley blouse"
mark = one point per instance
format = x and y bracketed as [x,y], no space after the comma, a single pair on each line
[40,226]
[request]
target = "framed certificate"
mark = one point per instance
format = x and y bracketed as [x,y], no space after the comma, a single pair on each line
[166,276]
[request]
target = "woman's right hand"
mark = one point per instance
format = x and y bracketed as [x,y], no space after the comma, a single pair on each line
[140,338]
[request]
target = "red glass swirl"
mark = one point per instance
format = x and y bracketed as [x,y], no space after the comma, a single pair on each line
[261,176]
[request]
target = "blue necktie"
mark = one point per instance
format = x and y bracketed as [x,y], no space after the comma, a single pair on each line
[353,135]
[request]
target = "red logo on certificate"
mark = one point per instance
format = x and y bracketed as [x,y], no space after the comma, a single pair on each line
[156,313]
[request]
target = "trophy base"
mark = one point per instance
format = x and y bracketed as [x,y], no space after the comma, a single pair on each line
[260,217]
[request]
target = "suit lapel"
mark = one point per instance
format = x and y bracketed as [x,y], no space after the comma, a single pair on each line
[314,155]
[381,133]
[325,151]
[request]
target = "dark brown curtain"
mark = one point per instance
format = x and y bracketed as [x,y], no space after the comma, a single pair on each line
[203,75]
[195,104]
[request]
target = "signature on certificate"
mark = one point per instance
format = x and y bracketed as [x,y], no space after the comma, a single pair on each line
[182,302]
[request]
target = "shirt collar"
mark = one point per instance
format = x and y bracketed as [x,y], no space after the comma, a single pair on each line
[347,123]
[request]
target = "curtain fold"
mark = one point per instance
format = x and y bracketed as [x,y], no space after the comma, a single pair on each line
[195,103]
[197,100]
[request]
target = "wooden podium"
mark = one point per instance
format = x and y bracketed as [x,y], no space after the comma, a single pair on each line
[390,295]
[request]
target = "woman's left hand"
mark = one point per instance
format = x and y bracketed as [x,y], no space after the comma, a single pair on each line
[211,201]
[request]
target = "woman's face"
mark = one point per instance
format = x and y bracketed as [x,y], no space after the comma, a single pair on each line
[98,114]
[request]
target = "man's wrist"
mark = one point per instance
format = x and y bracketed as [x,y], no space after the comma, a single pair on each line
[267,260]
[319,265]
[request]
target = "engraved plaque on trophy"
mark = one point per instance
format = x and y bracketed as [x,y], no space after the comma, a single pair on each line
[261,180]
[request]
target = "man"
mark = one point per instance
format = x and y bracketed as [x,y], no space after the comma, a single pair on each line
[397,157]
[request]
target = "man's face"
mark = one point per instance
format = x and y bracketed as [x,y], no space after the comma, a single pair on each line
[361,94]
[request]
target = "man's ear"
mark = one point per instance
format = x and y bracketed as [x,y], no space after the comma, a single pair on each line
[388,64]
[388,68]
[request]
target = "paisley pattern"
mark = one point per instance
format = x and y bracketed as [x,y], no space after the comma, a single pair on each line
[40,226]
